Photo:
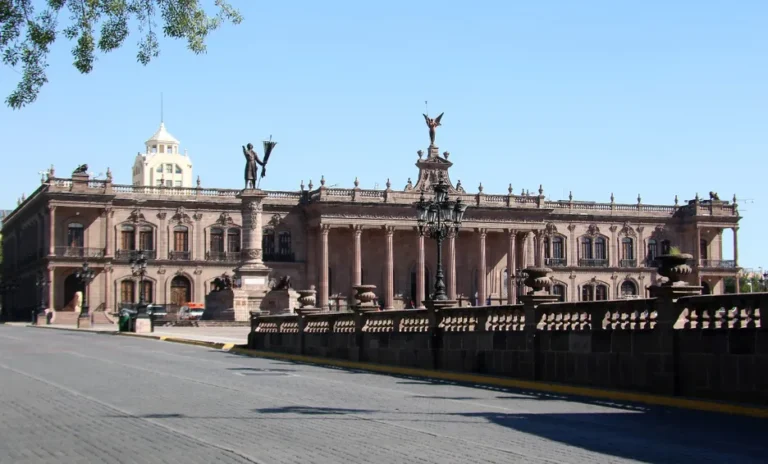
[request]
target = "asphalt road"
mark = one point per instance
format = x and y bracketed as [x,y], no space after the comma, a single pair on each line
[69,397]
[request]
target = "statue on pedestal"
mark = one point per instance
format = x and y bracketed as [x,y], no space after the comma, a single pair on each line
[432,124]
[252,161]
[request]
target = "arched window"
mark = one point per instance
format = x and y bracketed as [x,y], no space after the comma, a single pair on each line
[217,240]
[127,291]
[284,246]
[146,238]
[594,252]
[126,237]
[554,251]
[75,235]
[627,253]
[559,291]
[628,289]
[601,292]
[594,292]
[180,243]
[268,245]
[233,240]
[653,252]
[147,291]
[665,247]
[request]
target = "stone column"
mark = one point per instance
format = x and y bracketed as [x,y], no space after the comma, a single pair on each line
[481,296]
[420,284]
[107,227]
[697,249]
[107,287]
[51,294]
[452,264]
[51,230]
[252,238]
[540,248]
[389,282]
[511,255]
[163,237]
[736,246]
[357,270]
[252,271]
[323,300]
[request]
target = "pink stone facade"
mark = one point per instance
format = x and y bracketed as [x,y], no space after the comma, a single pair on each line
[334,238]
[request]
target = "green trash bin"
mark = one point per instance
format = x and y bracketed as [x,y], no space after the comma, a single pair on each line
[124,324]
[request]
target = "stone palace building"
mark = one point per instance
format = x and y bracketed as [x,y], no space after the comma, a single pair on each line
[333,238]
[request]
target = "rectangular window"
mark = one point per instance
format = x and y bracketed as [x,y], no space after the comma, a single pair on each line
[169,149]
[217,241]
[601,293]
[169,168]
[627,249]
[178,169]
[558,251]
[177,183]
[147,292]
[586,249]
[233,241]
[169,183]
[76,237]
[600,249]
[159,168]
[162,148]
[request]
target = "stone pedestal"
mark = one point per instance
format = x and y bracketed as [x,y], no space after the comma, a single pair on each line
[280,302]
[253,274]
[144,325]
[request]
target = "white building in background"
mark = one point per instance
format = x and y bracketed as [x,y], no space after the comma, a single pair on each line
[162,164]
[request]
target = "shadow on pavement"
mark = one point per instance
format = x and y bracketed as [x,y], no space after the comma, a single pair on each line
[310,410]
[648,437]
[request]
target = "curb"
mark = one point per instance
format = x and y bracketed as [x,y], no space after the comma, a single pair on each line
[503,382]
[183,341]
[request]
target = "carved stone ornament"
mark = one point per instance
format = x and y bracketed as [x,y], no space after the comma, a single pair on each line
[550,229]
[572,275]
[571,227]
[253,253]
[197,216]
[181,216]
[627,230]
[593,230]
[161,270]
[180,271]
[613,228]
[225,219]
[640,229]
[255,206]
[198,270]
[136,216]
[162,215]
[275,220]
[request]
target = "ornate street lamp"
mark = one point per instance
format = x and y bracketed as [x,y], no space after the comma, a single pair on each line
[139,269]
[85,275]
[436,218]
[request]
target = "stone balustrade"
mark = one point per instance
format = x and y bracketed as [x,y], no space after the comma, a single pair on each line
[697,346]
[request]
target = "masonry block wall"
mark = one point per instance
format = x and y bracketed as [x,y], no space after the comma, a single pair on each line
[712,347]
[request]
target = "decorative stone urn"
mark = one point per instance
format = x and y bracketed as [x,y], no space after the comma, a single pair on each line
[539,280]
[365,296]
[307,298]
[675,268]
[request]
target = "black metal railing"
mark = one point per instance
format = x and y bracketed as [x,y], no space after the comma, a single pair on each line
[78,252]
[225,256]
[127,255]
[627,263]
[179,255]
[555,262]
[593,262]
[719,263]
[285,257]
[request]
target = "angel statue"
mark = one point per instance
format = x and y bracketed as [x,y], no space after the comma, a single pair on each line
[251,168]
[432,124]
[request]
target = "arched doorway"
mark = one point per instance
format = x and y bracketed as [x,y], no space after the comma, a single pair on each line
[181,291]
[71,286]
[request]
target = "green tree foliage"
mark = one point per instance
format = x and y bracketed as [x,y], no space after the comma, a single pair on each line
[27,32]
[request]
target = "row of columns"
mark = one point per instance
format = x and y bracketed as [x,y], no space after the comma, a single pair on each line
[388,290]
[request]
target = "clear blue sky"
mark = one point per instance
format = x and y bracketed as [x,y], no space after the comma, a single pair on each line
[656,97]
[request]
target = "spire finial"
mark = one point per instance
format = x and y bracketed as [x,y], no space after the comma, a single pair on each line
[510,189]
[302,185]
[480,188]
[638,199]
[570,195]
[310,184]
[357,182]
[322,181]
[612,197]
[389,184]
[541,189]
[676,203]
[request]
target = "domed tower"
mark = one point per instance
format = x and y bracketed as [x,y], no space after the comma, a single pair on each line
[161,163]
